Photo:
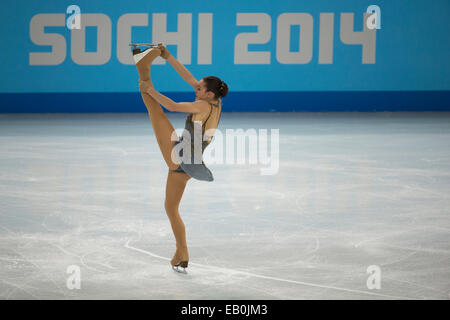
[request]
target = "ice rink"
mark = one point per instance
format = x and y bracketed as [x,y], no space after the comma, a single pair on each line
[353,190]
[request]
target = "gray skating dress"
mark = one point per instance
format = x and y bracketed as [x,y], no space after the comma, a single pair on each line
[193,164]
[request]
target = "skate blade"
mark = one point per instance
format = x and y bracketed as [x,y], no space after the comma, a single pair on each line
[176,269]
[138,57]
[151,45]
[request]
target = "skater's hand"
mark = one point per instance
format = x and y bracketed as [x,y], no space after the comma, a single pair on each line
[144,86]
[165,54]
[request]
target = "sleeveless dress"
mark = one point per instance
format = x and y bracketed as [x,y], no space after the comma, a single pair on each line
[193,164]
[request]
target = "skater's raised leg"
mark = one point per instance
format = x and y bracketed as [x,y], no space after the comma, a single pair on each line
[161,125]
[143,61]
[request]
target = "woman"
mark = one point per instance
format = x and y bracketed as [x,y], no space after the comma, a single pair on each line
[203,118]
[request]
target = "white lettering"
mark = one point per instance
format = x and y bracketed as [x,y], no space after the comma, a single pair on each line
[57,55]
[78,44]
[242,40]
[284,23]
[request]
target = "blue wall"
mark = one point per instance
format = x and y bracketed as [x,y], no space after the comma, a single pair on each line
[403,66]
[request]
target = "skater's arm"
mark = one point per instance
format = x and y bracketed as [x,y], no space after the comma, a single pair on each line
[183,71]
[188,107]
[178,66]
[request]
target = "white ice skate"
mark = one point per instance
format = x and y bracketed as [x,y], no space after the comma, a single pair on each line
[138,54]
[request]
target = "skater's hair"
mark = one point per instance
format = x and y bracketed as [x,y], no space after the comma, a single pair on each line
[216,86]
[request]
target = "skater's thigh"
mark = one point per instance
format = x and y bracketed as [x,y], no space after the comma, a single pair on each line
[176,183]
[166,137]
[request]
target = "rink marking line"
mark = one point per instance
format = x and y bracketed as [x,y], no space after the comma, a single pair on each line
[82,258]
[249,274]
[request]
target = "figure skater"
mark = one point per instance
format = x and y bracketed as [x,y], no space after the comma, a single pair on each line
[204,116]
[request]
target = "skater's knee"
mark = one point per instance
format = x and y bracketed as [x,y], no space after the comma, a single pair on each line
[171,206]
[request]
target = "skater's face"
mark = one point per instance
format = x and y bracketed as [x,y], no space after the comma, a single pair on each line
[201,93]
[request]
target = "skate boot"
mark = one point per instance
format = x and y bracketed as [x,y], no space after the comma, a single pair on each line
[144,58]
[179,261]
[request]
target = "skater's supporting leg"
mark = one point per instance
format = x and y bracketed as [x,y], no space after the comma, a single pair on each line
[176,183]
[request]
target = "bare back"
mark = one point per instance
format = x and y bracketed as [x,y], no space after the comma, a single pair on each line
[211,116]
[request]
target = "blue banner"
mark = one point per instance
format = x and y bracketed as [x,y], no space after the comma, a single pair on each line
[285,47]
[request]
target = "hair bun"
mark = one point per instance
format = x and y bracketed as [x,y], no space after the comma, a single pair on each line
[216,85]
[222,89]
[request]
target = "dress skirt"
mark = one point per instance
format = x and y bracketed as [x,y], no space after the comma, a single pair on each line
[196,170]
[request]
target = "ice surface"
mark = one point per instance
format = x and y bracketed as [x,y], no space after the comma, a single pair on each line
[353,190]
